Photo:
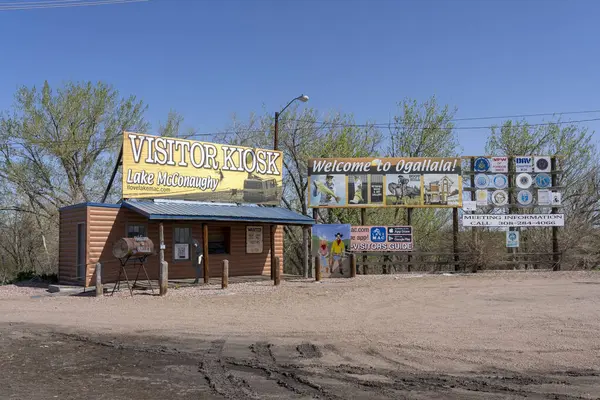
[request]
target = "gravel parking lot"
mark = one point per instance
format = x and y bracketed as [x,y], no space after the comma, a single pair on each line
[492,335]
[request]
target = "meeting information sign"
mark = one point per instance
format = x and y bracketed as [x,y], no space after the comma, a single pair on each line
[385,182]
[166,167]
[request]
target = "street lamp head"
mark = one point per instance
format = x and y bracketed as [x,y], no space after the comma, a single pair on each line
[303,98]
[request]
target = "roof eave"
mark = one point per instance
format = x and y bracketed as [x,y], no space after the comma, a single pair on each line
[155,217]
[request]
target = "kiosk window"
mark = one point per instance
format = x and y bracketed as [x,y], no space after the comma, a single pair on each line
[218,240]
[182,238]
[136,230]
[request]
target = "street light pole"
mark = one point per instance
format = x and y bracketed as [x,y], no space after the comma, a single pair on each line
[276,135]
[303,98]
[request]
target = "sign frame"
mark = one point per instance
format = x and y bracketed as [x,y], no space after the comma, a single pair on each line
[404,182]
[375,238]
[157,167]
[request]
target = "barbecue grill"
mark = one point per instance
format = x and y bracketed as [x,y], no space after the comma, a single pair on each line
[132,251]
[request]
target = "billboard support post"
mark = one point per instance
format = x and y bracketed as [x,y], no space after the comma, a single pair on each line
[306,256]
[455,237]
[363,221]
[555,246]
[409,223]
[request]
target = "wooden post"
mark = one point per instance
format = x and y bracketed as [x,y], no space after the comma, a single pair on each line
[555,245]
[205,259]
[317,268]
[277,279]
[316,218]
[99,287]
[511,197]
[225,274]
[409,223]
[352,265]
[474,233]
[273,228]
[455,237]
[306,251]
[163,273]
[363,221]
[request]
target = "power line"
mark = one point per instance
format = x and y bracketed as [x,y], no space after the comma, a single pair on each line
[38,5]
[264,131]
[381,125]
[387,124]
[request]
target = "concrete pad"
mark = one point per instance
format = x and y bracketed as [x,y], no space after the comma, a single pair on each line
[67,289]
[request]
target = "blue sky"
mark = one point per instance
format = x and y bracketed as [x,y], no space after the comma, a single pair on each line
[210,59]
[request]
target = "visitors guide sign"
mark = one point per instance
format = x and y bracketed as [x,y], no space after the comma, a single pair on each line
[165,167]
[385,182]
[381,238]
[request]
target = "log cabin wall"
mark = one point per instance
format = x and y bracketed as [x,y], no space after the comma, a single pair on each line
[107,223]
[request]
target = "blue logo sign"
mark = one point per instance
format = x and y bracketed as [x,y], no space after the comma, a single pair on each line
[481,181]
[378,234]
[543,180]
[482,164]
[524,197]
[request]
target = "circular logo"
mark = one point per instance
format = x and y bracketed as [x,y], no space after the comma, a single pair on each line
[500,181]
[500,197]
[541,164]
[524,197]
[482,164]
[524,181]
[482,197]
[482,181]
[512,236]
[543,180]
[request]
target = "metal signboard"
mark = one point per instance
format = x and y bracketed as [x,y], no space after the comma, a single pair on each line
[331,242]
[254,239]
[500,164]
[541,164]
[163,167]
[381,238]
[512,238]
[469,205]
[482,164]
[385,182]
[524,164]
[508,220]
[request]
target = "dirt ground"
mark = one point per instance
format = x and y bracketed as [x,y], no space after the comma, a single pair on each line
[484,336]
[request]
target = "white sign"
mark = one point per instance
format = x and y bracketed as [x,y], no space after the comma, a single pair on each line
[541,164]
[556,198]
[254,239]
[182,251]
[508,220]
[481,197]
[512,238]
[500,164]
[469,205]
[543,197]
[524,164]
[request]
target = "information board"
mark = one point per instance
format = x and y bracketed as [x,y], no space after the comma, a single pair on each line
[254,239]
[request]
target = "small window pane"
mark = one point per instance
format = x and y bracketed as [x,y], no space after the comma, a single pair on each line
[136,230]
[218,240]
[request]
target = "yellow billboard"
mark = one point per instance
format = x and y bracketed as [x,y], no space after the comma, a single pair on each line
[165,167]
